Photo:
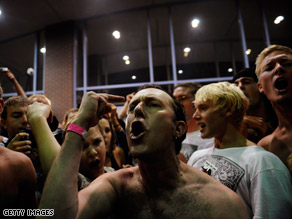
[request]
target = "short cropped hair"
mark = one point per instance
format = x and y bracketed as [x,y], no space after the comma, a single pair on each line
[14,101]
[268,51]
[193,86]
[30,98]
[179,114]
[226,97]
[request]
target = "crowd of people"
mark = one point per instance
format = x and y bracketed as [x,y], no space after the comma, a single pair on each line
[222,150]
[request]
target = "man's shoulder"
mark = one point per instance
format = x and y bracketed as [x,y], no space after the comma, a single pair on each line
[266,141]
[13,158]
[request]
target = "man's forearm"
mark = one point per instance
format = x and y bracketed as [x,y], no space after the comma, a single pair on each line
[18,88]
[47,144]
[60,192]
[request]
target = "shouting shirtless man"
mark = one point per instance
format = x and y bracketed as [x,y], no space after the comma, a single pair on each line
[159,187]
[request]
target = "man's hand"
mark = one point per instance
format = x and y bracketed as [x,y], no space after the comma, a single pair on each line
[38,110]
[255,122]
[19,144]
[93,107]
[129,97]
[10,75]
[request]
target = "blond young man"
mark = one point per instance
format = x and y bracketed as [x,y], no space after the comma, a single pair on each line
[256,175]
[274,71]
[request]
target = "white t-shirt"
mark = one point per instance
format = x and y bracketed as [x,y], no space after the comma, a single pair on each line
[256,175]
[193,142]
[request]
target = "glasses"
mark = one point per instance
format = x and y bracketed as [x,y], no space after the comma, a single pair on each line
[183,98]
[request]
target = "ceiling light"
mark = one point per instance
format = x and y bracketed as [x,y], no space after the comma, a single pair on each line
[180,71]
[134,77]
[187,49]
[195,23]
[278,19]
[126,57]
[127,62]
[248,51]
[230,70]
[43,50]
[116,34]
[0,12]
[30,71]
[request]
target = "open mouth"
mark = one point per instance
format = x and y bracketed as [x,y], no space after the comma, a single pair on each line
[202,125]
[281,84]
[94,163]
[137,130]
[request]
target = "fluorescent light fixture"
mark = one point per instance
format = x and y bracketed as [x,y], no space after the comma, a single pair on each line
[230,70]
[117,34]
[43,50]
[127,62]
[0,12]
[134,77]
[248,51]
[195,23]
[187,49]
[278,19]
[126,57]
[180,71]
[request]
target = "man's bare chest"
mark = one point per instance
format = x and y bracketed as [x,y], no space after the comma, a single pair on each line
[179,203]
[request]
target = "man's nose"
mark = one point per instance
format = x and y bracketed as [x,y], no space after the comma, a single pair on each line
[278,68]
[139,110]
[24,120]
[196,115]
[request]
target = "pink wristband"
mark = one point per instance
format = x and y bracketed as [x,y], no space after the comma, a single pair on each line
[78,129]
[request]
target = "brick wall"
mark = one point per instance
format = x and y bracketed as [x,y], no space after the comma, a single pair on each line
[59,67]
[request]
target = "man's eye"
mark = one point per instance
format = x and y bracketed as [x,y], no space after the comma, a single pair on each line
[269,68]
[153,105]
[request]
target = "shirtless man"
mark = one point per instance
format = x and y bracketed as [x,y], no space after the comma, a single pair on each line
[17,177]
[159,187]
[274,71]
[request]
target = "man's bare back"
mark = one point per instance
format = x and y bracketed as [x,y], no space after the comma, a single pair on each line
[17,180]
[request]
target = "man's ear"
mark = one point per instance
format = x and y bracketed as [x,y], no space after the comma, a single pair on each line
[180,128]
[260,87]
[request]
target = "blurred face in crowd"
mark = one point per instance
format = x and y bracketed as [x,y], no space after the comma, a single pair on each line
[93,154]
[16,121]
[275,78]
[186,98]
[106,132]
[249,87]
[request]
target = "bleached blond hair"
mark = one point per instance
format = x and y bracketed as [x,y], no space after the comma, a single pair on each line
[268,51]
[226,97]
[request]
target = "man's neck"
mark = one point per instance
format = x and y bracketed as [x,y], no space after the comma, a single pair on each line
[192,125]
[160,172]
[284,114]
[231,138]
